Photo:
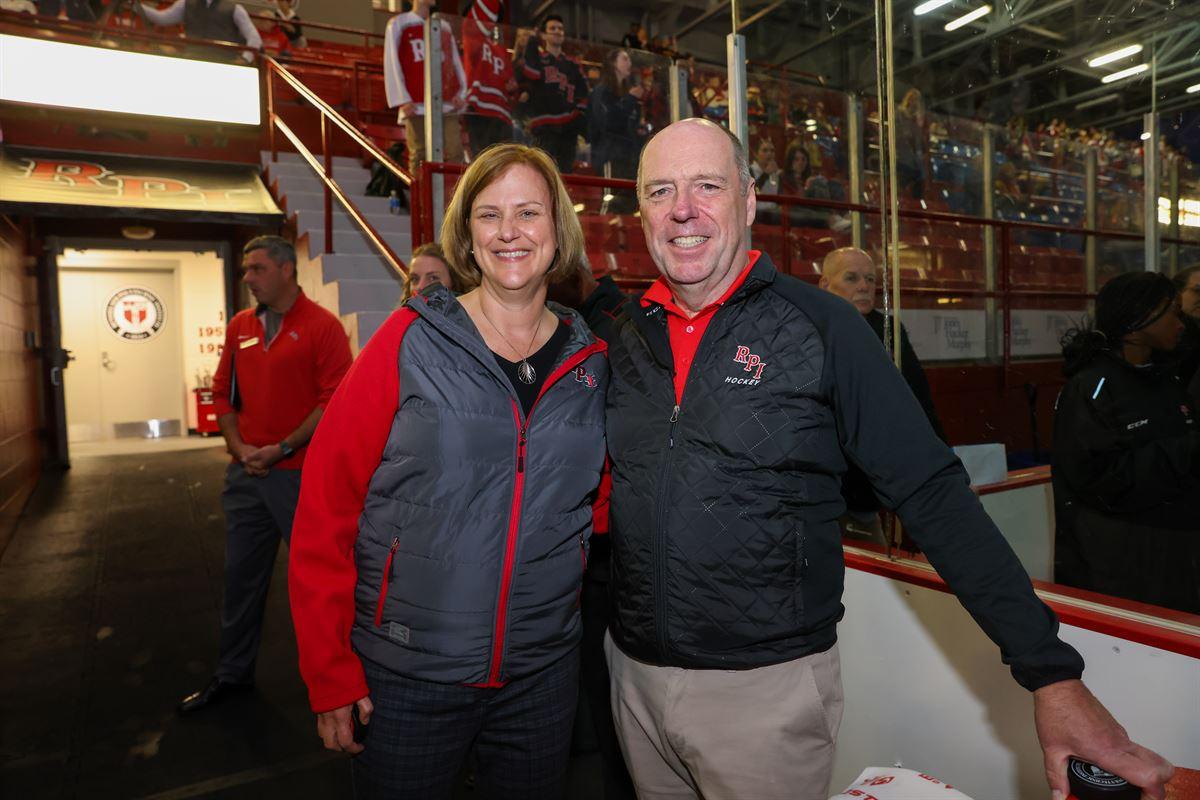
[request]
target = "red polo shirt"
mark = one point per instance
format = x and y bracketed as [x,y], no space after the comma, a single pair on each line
[686,332]
[280,382]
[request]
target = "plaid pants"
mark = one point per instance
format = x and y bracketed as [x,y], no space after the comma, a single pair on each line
[421,732]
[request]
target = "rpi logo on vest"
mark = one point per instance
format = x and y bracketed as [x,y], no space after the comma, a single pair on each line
[582,376]
[753,364]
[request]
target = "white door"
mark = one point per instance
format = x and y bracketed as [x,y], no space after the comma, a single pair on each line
[123,327]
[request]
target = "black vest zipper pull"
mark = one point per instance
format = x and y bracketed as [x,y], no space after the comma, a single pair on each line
[674,419]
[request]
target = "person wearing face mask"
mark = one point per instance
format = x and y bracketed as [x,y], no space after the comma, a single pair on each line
[1126,465]
[849,273]
[444,520]
[428,267]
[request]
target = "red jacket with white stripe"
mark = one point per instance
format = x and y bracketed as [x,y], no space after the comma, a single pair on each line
[404,65]
[487,62]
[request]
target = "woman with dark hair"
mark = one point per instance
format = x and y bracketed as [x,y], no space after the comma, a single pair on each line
[614,114]
[800,179]
[1127,452]
[428,266]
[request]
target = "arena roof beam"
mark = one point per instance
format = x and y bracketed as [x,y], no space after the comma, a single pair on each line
[712,11]
[1166,73]
[827,38]
[755,17]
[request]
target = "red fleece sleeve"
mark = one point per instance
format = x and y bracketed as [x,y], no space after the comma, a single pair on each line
[344,454]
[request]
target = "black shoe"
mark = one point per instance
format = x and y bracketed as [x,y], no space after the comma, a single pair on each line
[216,691]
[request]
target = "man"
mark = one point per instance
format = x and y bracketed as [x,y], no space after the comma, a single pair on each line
[1188,283]
[737,397]
[279,367]
[555,92]
[222,20]
[404,83]
[490,81]
[849,273]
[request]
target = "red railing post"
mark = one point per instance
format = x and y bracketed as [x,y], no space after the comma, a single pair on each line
[325,150]
[270,77]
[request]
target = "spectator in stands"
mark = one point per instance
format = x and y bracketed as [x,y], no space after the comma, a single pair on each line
[220,20]
[557,93]
[280,365]
[435,480]
[78,10]
[636,38]
[428,267]
[490,80]
[614,120]
[713,100]
[1126,469]
[287,32]
[912,145]
[1187,281]
[799,179]
[850,273]
[767,176]
[404,83]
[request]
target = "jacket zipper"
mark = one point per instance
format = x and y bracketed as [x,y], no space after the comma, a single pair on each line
[660,551]
[514,519]
[383,586]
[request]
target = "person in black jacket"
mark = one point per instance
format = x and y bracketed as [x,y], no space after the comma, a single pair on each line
[614,116]
[1187,281]
[555,93]
[737,397]
[1126,468]
[849,273]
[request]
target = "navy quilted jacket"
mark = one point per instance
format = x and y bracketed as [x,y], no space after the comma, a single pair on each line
[726,547]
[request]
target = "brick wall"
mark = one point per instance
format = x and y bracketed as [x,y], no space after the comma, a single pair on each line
[20,445]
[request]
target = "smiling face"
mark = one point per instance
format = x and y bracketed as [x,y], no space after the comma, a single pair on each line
[694,212]
[512,230]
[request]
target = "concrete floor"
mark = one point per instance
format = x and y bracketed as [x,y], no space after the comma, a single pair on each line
[109,602]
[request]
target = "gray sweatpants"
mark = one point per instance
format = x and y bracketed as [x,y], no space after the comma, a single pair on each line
[258,511]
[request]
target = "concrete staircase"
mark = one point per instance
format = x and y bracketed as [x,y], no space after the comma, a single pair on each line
[354,282]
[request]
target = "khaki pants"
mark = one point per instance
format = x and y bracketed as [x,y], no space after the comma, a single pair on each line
[728,734]
[414,136]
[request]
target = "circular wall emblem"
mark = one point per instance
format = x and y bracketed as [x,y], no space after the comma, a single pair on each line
[135,314]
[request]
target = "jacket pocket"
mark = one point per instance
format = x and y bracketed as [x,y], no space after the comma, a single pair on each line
[383,584]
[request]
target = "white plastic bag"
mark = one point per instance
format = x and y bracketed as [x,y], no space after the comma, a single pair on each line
[894,783]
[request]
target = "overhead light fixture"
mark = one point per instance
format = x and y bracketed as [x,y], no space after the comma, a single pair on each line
[100,79]
[1125,73]
[1195,87]
[1097,101]
[968,18]
[1145,135]
[1115,55]
[930,5]
[608,197]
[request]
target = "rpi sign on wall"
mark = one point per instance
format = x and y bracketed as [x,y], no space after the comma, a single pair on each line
[947,335]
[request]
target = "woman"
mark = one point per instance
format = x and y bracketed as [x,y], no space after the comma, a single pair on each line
[444,517]
[614,114]
[427,267]
[1127,452]
[798,179]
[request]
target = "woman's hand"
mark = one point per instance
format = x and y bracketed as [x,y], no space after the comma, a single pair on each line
[336,727]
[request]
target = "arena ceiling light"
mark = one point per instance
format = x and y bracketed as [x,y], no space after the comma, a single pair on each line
[50,73]
[968,18]
[1115,55]
[1195,87]
[930,5]
[1125,73]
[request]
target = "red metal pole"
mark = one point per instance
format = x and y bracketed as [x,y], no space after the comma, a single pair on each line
[328,178]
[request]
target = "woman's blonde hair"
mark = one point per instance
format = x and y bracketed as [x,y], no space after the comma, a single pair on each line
[482,173]
[434,250]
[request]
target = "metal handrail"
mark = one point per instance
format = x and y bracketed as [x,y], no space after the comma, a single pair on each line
[324,168]
[324,26]
[86,32]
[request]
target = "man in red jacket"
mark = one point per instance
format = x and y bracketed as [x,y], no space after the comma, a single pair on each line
[279,366]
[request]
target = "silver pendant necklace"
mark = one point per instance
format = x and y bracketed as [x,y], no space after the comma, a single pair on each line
[525,371]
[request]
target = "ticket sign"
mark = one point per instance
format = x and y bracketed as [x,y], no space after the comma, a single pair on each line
[950,335]
[1039,332]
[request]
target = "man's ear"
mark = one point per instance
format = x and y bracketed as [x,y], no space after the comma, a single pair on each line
[751,206]
[823,283]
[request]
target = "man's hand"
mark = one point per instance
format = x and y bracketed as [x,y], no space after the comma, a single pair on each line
[263,458]
[336,728]
[249,457]
[1072,722]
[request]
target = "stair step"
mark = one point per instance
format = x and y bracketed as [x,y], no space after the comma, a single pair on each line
[313,220]
[303,170]
[350,296]
[353,243]
[353,185]
[361,326]
[334,267]
[315,201]
[296,158]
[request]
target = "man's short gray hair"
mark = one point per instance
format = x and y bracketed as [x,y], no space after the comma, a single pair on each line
[741,160]
[278,249]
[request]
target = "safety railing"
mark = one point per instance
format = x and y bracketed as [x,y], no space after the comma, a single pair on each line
[330,121]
